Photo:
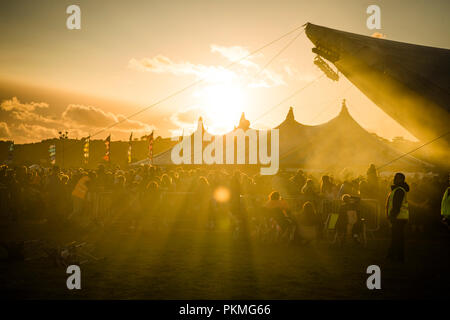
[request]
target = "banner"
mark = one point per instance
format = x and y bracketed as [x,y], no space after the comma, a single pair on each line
[129,147]
[150,147]
[11,151]
[107,147]
[86,150]
[52,154]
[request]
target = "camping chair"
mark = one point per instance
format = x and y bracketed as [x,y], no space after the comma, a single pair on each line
[330,225]
[265,231]
[280,226]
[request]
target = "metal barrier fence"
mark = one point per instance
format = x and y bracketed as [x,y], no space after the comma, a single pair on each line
[100,206]
[368,208]
[371,212]
[3,202]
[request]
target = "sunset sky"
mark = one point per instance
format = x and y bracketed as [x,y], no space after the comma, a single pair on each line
[130,54]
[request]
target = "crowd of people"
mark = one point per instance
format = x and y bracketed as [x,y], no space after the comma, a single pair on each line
[290,205]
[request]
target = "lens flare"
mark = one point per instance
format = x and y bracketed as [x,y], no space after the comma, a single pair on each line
[221,194]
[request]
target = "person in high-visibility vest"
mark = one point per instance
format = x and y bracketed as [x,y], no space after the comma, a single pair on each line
[445,207]
[398,214]
[79,196]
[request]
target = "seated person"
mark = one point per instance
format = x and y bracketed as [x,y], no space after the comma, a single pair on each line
[308,223]
[279,211]
[349,221]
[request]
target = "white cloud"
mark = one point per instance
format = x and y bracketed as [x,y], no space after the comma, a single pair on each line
[25,122]
[162,64]
[89,117]
[186,118]
[4,131]
[235,53]
[15,105]
[243,72]
[32,132]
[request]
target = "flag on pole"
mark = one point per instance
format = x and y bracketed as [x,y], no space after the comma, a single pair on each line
[107,147]
[86,150]
[129,147]
[52,154]
[11,151]
[150,147]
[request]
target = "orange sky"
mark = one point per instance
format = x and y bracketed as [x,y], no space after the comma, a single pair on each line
[131,54]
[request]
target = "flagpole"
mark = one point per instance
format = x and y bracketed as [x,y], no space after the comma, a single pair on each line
[130,148]
[150,147]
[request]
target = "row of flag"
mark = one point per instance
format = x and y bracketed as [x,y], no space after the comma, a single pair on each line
[150,147]
[11,151]
[86,142]
[107,156]
[52,153]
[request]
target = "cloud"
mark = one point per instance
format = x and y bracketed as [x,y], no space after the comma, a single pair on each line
[235,53]
[4,131]
[23,111]
[32,132]
[25,122]
[162,64]
[215,73]
[186,118]
[93,117]
[232,53]
[267,79]
[88,116]
[15,105]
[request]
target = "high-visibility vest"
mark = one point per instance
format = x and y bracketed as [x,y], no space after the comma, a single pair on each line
[81,189]
[404,211]
[445,204]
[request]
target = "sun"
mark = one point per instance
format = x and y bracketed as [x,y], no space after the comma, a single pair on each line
[222,104]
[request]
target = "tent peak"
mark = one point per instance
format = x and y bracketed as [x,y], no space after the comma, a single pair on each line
[290,115]
[200,124]
[244,124]
[344,109]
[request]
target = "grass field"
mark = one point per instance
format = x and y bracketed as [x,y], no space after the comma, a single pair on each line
[177,263]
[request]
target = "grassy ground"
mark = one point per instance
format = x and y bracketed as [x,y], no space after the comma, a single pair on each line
[178,263]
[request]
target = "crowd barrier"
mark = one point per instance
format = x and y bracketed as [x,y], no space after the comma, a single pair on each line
[100,206]
[369,209]
[3,202]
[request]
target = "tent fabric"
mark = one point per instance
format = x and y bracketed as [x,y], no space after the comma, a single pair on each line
[340,142]
[411,83]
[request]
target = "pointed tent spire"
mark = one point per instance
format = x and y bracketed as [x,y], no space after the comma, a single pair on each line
[244,124]
[290,115]
[200,123]
[344,109]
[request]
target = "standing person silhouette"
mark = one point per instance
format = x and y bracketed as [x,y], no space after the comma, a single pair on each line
[398,214]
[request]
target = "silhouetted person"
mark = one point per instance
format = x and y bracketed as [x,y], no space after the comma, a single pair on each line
[327,188]
[55,191]
[79,194]
[309,224]
[348,217]
[372,180]
[398,214]
[309,191]
[280,212]
[445,206]
[346,188]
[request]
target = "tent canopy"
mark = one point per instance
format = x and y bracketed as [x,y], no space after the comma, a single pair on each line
[411,83]
[338,143]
